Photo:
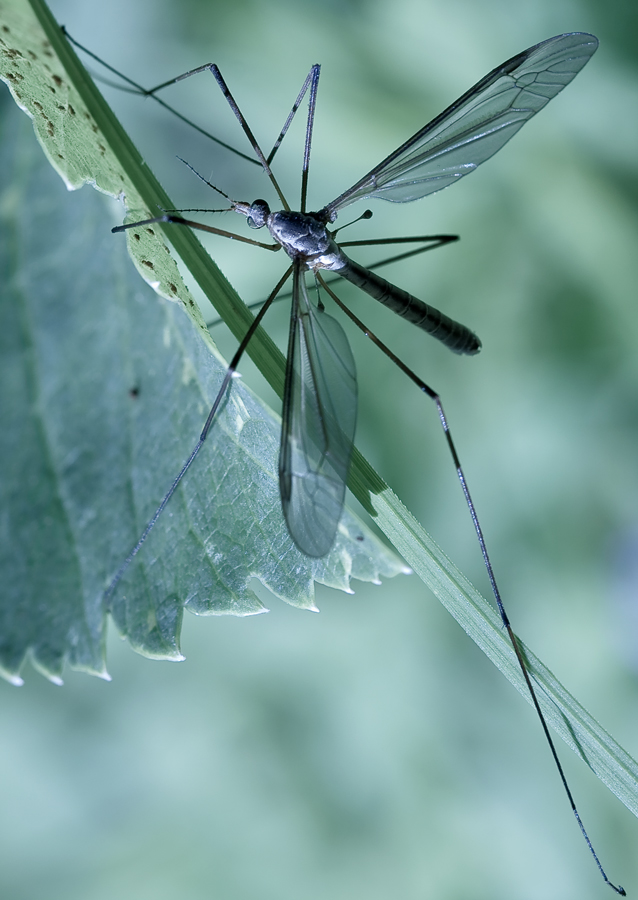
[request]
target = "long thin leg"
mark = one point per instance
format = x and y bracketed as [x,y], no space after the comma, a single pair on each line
[439,240]
[302,93]
[199,226]
[232,368]
[312,104]
[246,129]
[486,559]
[136,88]
[312,81]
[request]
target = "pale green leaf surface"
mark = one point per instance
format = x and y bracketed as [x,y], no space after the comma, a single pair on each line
[104,391]
[608,760]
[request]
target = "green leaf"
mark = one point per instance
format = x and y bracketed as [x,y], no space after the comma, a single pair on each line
[105,388]
[607,759]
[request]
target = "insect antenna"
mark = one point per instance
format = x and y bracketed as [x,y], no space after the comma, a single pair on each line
[207,182]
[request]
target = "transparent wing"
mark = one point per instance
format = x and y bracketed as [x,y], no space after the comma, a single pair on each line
[319,416]
[475,127]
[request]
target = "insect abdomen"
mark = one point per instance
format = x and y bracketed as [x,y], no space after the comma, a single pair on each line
[455,336]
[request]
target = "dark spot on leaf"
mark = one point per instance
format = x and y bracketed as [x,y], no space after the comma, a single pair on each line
[360,537]
[60,107]
[148,264]
[150,231]
[50,128]
[136,236]
[38,106]
[52,89]
[102,148]
[173,287]
[71,110]
[14,77]
[12,53]
[134,392]
[32,54]
[6,29]
[58,80]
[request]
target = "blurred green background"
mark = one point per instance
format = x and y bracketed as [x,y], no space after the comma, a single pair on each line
[372,751]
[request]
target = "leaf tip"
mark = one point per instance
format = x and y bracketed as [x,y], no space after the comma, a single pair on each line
[12,678]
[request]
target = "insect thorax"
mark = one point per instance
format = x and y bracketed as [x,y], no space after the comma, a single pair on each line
[304,236]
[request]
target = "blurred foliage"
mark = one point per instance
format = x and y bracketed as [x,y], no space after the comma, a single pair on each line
[371,751]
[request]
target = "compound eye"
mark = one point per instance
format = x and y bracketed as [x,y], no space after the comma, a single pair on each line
[259,212]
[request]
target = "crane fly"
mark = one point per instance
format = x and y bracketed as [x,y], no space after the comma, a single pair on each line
[320,390]
[319,406]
